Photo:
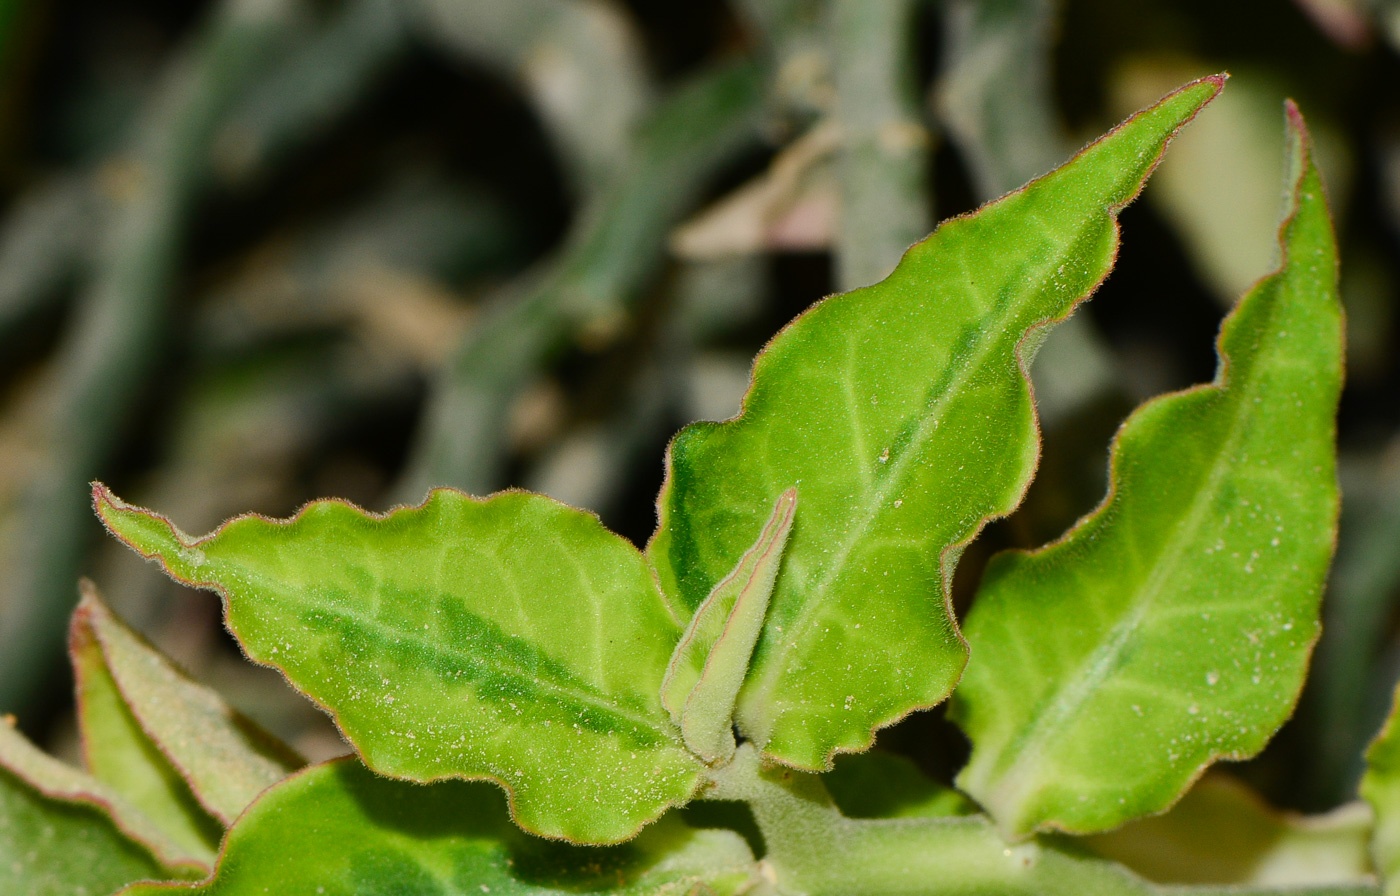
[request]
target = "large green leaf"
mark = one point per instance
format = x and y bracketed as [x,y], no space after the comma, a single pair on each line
[1380,786]
[135,705]
[62,832]
[1173,625]
[903,415]
[510,638]
[337,829]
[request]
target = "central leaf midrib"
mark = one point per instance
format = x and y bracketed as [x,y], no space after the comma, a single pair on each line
[1094,669]
[886,487]
[568,692]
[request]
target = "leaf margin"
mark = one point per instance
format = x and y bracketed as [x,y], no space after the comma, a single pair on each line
[1302,164]
[104,500]
[1025,350]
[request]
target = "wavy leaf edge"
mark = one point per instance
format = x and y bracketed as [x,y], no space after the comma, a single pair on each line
[92,606]
[103,496]
[1296,131]
[126,820]
[1026,348]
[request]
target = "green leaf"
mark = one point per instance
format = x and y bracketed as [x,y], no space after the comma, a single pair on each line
[62,832]
[219,757]
[1221,832]
[886,785]
[1173,625]
[338,829]
[710,662]
[902,413]
[1380,786]
[121,755]
[510,638]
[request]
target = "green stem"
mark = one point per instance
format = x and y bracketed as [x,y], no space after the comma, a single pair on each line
[813,850]
[617,244]
[592,49]
[994,97]
[883,166]
[118,329]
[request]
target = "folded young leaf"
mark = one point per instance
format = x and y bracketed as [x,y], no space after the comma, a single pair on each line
[62,832]
[510,638]
[903,414]
[1380,786]
[124,757]
[708,667]
[338,829]
[219,757]
[1221,832]
[1172,626]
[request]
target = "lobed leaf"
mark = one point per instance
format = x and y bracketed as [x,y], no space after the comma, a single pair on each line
[1380,787]
[338,829]
[903,413]
[1173,625]
[221,759]
[62,832]
[510,638]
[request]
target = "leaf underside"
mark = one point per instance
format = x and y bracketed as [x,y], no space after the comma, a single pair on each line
[223,757]
[510,638]
[121,755]
[339,829]
[63,832]
[902,413]
[1173,625]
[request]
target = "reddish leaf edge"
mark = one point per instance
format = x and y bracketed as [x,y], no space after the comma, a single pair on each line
[116,812]
[91,605]
[103,497]
[1025,353]
[1295,130]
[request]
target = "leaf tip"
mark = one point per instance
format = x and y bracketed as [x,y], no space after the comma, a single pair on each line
[149,534]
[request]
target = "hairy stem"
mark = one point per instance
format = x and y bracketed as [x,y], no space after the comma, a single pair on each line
[814,850]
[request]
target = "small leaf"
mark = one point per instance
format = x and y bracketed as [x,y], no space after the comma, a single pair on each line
[1380,786]
[712,658]
[120,754]
[223,757]
[62,832]
[338,829]
[1222,833]
[510,638]
[1173,625]
[886,785]
[903,414]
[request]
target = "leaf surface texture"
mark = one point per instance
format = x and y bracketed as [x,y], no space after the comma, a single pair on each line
[1173,625]
[339,829]
[510,638]
[903,415]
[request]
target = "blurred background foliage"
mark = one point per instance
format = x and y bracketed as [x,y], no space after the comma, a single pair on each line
[253,252]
